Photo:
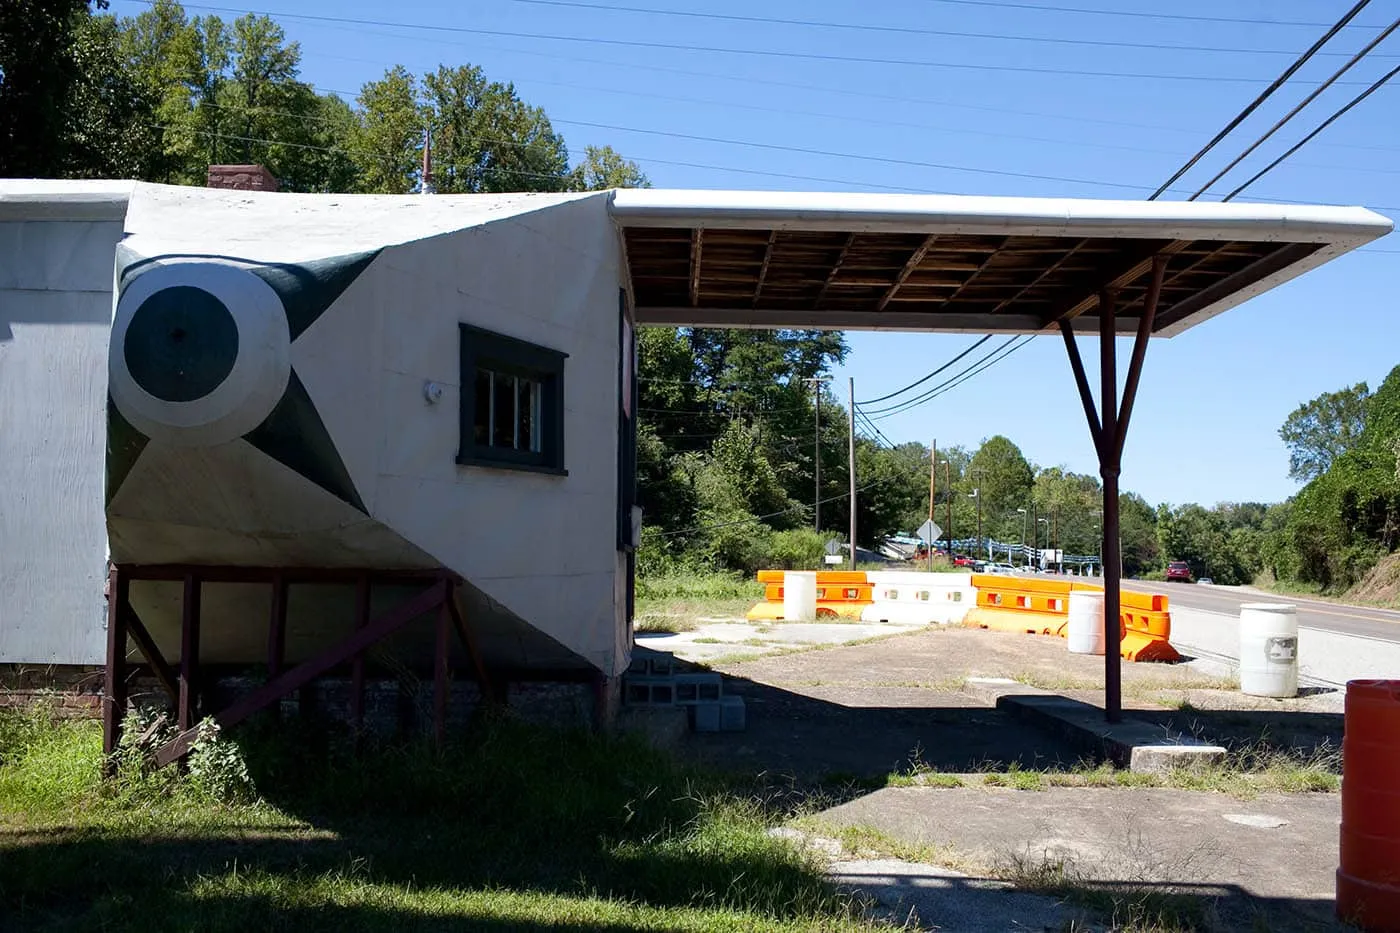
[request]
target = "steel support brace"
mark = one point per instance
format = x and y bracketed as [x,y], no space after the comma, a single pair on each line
[1108,425]
[189,654]
[114,686]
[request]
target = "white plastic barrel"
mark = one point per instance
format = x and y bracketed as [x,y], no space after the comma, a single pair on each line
[800,595]
[1085,631]
[1269,649]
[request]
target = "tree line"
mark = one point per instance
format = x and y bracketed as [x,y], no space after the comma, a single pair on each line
[161,96]
[730,451]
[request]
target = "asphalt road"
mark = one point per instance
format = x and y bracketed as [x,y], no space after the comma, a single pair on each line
[1381,624]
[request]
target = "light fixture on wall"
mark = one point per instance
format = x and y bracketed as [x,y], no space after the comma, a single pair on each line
[432,392]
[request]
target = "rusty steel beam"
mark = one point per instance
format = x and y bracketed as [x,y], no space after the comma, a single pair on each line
[442,678]
[1086,397]
[357,664]
[1130,385]
[151,652]
[228,574]
[114,685]
[1110,557]
[189,653]
[378,629]
[1135,270]
[484,682]
[913,263]
[277,627]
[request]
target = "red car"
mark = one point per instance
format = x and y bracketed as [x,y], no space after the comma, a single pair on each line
[962,560]
[1178,571]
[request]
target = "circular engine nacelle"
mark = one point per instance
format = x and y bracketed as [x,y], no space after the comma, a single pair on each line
[201,351]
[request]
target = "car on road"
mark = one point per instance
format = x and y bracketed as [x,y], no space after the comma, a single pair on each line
[962,560]
[999,568]
[1206,581]
[1178,571]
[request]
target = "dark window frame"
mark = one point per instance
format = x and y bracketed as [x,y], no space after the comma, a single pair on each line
[486,349]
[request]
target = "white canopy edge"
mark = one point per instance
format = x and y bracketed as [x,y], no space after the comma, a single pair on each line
[1337,229]
[56,199]
[996,216]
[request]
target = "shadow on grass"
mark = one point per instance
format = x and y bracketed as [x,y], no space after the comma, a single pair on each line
[546,818]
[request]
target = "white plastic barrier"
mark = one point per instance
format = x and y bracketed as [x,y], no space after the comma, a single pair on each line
[1269,649]
[910,597]
[1085,629]
[800,596]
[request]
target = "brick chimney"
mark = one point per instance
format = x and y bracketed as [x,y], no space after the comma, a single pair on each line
[241,177]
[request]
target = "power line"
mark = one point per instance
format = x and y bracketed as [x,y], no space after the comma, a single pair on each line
[1001,353]
[1140,14]
[920,382]
[1322,126]
[879,412]
[1301,104]
[762,53]
[902,30]
[1263,96]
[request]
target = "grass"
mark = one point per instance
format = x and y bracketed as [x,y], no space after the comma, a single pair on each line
[515,827]
[675,602]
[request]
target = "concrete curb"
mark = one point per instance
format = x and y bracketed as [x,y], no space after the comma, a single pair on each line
[1133,744]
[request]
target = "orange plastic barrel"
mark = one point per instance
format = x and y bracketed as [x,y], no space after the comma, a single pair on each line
[1368,879]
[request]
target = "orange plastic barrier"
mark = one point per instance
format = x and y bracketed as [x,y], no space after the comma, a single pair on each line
[1368,876]
[841,594]
[1041,607]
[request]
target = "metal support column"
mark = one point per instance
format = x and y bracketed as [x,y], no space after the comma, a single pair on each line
[189,654]
[114,687]
[1109,434]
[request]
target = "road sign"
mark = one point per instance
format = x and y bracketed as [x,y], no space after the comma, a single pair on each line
[929,532]
[833,548]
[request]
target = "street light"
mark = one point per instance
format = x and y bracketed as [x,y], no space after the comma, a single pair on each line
[977,494]
[1023,535]
[1039,522]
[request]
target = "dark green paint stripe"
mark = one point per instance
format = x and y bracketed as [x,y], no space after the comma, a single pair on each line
[124,446]
[307,289]
[295,436]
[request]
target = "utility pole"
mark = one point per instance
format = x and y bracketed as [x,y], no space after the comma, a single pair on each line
[932,489]
[977,494]
[426,185]
[948,504]
[851,439]
[816,382]
[1023,534]
[1055,534]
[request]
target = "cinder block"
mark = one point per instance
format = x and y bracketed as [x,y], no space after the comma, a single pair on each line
[705,717]
[698,688]
[733,714]
[1158,759]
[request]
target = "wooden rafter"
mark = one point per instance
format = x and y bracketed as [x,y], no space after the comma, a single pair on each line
[835,268]
[763,269]
[1046,273]
[1127,276]
[980,267]
[697,246]
[915,258]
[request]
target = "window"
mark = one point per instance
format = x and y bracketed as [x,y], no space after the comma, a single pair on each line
[512,403]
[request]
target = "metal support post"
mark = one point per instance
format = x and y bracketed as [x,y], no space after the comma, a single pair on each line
[189,654]
[114,686]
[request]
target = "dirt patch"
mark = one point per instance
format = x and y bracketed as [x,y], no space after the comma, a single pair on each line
[1381,586]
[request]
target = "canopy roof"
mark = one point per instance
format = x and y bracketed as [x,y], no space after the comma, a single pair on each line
[959,264]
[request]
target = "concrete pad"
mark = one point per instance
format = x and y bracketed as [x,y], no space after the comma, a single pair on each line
[1266,863]
[1131,743]
[935,898]
[715,639]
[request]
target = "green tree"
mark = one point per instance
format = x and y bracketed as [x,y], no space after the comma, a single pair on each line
[486,139]
[386,140]
[1137,529]
[603,167]
[1321,430]
[37,73]
[1003,480]
[110,128]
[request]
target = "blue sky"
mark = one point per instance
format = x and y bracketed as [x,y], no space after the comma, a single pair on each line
[1211,400]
